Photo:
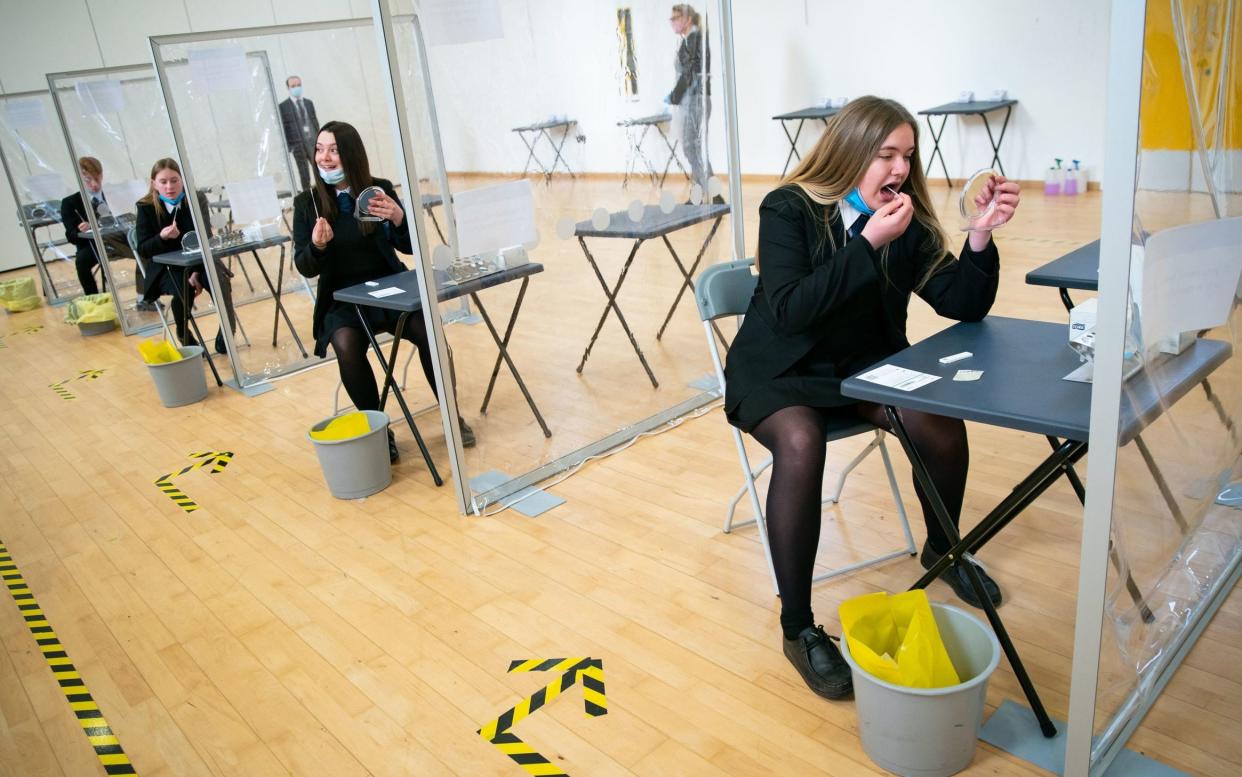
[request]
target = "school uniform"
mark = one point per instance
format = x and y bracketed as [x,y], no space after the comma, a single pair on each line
[72,213]
[819,315]
[350,258]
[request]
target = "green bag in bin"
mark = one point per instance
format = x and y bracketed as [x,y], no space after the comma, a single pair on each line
[91,309]
[18,294]
[894,638]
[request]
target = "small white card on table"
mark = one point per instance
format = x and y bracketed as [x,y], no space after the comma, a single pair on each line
[898,377]
[388,292]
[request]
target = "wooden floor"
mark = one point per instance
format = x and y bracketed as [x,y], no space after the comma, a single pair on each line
[276,630]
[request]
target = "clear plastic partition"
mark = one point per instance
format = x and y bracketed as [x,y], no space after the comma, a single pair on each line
[570,196]
[247,142]
[40,174]
[116,117]
[1177,501]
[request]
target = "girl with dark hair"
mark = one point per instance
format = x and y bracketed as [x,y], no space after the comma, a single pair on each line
[162,217]
[341,250]
[843,243]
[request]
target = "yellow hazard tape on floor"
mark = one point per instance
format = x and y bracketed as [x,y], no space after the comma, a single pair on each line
[94,725]
[64,393]
[218,460]
[589,670]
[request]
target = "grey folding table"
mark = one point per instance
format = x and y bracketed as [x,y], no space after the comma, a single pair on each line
[1080,269]
[637,136]
[979,108]
[1022,388]
[654,223]
[409,301]
[191,260]
[820,112]
[530,135]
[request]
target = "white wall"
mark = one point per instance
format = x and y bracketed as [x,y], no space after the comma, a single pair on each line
[562,57]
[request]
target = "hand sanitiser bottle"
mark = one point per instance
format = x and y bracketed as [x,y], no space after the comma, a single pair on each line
[1070,187]
[1053,179]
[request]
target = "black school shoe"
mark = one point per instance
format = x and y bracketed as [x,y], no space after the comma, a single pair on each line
[820,663]
[959,581]
[467,434]
[393,453]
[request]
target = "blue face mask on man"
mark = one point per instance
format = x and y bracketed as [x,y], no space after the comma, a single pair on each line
[332,177]
[175,200]
[855,199]
[296,91]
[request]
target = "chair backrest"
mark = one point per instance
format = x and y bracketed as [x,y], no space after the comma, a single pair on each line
[725,289]
[131,236]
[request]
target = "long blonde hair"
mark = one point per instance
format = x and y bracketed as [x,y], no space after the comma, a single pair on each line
[841,157]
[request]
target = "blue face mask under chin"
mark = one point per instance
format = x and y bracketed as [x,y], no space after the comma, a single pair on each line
[855,199]
[332,177]
[175,200]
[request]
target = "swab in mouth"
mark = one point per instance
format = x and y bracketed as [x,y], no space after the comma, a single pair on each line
[892,190]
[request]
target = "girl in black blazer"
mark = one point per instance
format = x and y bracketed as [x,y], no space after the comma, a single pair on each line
[842,244]
[333,245]
[162,218]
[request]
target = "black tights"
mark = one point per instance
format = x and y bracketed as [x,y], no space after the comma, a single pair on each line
[350,345]
[796,437]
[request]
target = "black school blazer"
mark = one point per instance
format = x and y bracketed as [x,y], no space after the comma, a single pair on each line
[810,295]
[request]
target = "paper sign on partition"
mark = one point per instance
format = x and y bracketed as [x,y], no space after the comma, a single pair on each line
[450,22]
[253,200]
[1189,279]
[45,186]
[219,69]
[494,217]
[25,114]
[122,195]
[100,96]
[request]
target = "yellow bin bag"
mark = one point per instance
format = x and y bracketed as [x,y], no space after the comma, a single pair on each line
[345,427]
[158,352]
[90,309]
[894,638]
[18,294]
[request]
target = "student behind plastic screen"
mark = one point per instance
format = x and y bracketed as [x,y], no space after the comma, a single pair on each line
[331,243]
[73,216]
[162,219]
[843,243]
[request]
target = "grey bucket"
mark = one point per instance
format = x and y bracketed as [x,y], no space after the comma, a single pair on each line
[181,382]
[357,466]
[90,329]
[929,732]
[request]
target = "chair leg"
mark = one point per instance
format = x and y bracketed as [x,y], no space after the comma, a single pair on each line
[897,500]
[748,476]
[729,525]
[836,494]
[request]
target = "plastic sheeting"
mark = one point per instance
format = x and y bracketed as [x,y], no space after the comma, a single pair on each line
[225,104]
[534,136]
[115,115]
[1174,537]
[40,174]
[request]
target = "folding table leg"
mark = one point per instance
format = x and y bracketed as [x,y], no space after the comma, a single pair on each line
[936,149]
[503,345]
[531,148]
[611,294]
[688,281]
[557,149]
[389,380]
[995,146]
[672,156]
[1161,484]
[280,307]
[972,574]
[793,145]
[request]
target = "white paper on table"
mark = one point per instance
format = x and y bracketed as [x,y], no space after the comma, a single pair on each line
[45,186]
[449,22]
[899,378]
[1189,277]
[253,200]
[122,196]
[100,96]
[219,69]
[388,292]
[967,375]
[494,217]
[25,114]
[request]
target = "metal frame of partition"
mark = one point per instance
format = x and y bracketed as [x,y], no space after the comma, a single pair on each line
[240,380]
[385,20]
[105,266]
[1087,755]
[36,253]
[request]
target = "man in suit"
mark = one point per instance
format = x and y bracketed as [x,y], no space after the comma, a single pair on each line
[73,217]
[301,126]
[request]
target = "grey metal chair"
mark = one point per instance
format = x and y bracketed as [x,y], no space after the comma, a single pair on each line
[725,290]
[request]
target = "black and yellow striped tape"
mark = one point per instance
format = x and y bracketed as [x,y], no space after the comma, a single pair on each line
[61,391]
[218,461]
[107,748]
[589,670]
